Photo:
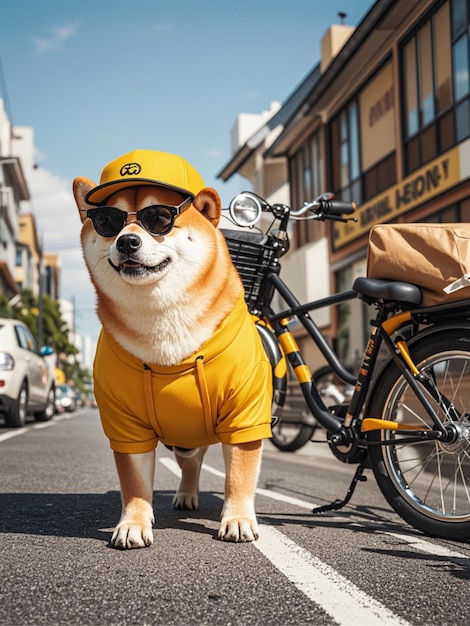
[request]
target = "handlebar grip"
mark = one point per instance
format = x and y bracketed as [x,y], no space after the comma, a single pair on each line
[337,207]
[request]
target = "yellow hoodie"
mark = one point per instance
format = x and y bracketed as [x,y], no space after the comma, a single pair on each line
[222,393]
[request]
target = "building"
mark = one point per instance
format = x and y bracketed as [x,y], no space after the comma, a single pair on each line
[23,262]
[13,191]
[383,120]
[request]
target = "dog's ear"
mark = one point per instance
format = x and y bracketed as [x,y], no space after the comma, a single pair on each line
[81,186]
[208,203]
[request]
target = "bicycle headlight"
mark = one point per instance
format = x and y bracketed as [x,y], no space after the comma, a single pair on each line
[245,209]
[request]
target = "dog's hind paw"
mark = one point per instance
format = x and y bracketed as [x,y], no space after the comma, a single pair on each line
[183,500]
[240,530]
[128,536]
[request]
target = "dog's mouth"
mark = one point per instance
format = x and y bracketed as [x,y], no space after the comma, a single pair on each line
[130,267]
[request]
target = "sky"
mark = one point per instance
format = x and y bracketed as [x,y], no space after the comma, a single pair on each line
[96,79]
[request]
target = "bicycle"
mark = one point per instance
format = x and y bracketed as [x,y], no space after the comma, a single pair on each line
[407,419]
[298,426]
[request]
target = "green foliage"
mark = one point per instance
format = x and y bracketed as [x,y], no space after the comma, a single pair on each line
[5,310]
[54,331]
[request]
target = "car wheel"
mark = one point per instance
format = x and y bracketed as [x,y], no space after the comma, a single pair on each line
[48,412]
[16,417]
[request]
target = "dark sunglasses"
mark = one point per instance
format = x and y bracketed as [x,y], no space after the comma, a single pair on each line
[157,219]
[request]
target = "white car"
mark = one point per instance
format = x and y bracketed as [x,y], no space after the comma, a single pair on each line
[26,381]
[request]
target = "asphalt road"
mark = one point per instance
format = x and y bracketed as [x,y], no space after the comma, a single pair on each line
[362,565]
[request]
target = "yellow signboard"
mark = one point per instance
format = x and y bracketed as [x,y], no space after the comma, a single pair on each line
[422,185]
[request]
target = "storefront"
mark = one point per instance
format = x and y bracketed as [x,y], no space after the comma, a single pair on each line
[383,120]
[390,130]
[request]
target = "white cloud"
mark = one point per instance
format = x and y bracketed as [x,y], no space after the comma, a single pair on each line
[59,35]
[58,225]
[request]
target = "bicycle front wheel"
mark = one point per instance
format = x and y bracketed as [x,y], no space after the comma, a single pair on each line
[428,483]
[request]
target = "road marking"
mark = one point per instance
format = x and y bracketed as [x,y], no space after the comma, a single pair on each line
[13,433]
[173,466]
[334,593]
[430,548]
[417,543]
[24,429]
[42,425]
[265,492]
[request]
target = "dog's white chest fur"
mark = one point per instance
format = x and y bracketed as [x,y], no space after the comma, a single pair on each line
[164,338]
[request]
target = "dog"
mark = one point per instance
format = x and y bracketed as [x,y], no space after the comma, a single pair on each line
[178,360]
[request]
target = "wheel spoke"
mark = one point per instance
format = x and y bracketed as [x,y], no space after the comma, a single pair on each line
[432,477]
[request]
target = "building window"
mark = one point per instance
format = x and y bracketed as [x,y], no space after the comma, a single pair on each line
[346,163]
[380,177]
[307,172]
[435,64]
[454,214]
[460,11]
[308,167]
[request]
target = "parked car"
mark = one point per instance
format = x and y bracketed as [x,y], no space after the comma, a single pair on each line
[65,399]
[26,380]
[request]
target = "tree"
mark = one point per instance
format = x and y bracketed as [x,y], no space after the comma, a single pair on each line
[55,332]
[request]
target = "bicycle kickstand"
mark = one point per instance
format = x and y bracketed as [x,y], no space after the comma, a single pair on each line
[338,504]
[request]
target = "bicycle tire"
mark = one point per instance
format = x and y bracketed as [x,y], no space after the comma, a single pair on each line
[289,436]
[427,483]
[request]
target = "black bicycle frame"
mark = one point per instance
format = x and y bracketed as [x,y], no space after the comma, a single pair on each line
[341,427]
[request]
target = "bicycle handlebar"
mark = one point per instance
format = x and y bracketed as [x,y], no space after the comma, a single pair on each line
[325,207]
[246,208]
[336,207]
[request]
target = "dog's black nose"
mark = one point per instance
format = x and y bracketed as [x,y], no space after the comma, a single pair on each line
[127,244]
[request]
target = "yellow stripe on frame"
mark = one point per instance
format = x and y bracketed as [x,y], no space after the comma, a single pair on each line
[403,347]
[374,423]
[393,324]
[281,368]
[303,374]
[288,343]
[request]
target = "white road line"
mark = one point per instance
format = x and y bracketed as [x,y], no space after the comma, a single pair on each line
[430,548]
[172,465]
[12,433]
[419,544]
[24,429]
[42,425]
[334,593]
[265,492]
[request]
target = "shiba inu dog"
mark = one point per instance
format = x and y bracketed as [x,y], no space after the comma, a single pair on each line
[179,360]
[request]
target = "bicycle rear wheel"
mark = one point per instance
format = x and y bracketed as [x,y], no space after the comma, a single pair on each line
[427,484]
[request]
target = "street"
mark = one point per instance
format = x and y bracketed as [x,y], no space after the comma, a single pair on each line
[59,499]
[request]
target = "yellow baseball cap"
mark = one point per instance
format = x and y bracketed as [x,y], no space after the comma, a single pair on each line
[146,167]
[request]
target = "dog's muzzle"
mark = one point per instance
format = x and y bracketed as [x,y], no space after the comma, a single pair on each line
[128,244]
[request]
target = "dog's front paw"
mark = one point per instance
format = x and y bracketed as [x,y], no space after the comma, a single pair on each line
[183,500]
[132,533]
[239,529]
[128,535]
